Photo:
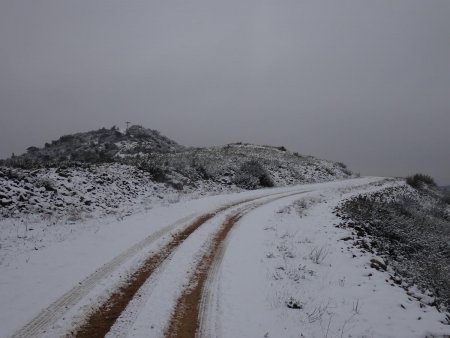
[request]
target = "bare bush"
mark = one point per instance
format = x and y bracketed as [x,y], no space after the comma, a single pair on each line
[318,255]
[317,313]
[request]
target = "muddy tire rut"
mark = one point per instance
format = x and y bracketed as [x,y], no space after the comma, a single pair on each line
[55,311]
[99,322]
[185,321]
[101,319]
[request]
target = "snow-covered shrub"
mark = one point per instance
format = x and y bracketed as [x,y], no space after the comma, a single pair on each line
[342,165]
[45,182]
[419,180]
[246,181]
[446,197]
[157,172]
[252,175]
[203,170]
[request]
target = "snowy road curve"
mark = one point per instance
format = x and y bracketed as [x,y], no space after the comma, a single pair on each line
[266,263]
[45,323]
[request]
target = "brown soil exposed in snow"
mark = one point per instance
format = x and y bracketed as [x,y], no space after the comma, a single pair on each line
[184,322]
[186,317]
[100,322]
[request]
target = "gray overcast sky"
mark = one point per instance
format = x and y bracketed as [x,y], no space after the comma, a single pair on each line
[362,82]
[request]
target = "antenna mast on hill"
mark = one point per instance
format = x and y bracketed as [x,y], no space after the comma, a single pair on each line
[128,123]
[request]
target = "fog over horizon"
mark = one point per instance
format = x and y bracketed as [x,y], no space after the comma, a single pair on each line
[366,83]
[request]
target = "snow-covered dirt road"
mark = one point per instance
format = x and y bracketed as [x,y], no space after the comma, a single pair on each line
[267,263]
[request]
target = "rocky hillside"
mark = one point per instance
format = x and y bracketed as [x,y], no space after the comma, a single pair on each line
[108,171]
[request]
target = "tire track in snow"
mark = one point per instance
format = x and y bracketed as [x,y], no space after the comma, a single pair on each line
[190,312]
[47,317]
[101,320]
[58,308]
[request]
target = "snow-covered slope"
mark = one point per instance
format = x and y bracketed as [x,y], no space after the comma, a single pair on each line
[410,228]
[284,270]
[73,192]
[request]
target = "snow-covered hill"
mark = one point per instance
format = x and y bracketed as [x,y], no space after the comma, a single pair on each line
[229,165]
[112,172]
[97,146]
